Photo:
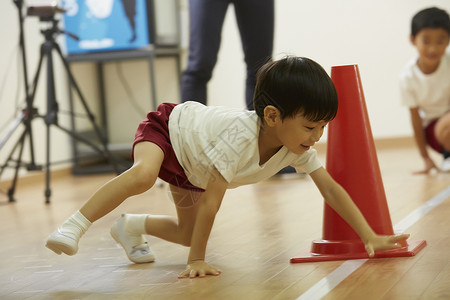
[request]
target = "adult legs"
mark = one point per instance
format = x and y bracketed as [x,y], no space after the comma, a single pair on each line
[129,7]
[205,19]
[255,20]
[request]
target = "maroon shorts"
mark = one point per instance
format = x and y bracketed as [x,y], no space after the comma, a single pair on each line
[431,137]
[155,129]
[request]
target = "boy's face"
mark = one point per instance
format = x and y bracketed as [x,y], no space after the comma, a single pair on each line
[299,134]
[431,44]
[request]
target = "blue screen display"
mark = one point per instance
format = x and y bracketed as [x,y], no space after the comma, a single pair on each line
[105,25]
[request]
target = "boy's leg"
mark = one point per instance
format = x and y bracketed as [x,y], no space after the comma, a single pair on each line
[129,228]
[128,231]
[140,177]
[176,230]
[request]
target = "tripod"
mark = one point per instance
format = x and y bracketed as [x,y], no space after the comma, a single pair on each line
[51,117]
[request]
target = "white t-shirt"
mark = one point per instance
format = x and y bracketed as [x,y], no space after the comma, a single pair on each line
[429,92]
[227,138]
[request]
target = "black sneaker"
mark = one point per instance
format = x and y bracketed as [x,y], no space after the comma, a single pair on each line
[287,170]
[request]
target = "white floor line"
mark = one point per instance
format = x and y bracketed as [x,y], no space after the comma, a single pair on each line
[324,286]
[421,211]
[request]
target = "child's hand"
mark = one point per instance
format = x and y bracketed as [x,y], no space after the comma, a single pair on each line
[429,165]
[199,268]
[384,242]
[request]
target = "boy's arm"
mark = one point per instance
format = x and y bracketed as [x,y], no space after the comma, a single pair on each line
[340,201]
[419,134]
[208,208]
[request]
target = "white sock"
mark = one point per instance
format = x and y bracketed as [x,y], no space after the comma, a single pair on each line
[75,226]
[135,224]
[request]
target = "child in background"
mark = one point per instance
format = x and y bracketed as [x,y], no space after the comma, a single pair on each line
[425,85]
[202,151]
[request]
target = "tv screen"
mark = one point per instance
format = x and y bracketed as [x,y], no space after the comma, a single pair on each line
[106,25]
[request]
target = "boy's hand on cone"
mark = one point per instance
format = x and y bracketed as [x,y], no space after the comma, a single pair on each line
[384,242]
[199,268]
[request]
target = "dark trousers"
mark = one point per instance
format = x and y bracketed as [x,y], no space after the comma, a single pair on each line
[255,19]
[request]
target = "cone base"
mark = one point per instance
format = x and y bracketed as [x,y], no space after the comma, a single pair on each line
[412,248]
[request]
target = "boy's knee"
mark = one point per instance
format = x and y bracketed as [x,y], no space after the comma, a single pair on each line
[143,178]
[186,236]
[186,240]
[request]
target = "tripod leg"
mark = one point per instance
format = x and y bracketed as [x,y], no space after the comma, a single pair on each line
[18,163]
[106,153]
[31,112]
[48,192]
[28,115]
[5,164]
[32,166]
[81,139]
[52,112]
[11,130]
[20,143]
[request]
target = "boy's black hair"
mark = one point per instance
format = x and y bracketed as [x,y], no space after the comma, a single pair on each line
[296,85]
[432,17]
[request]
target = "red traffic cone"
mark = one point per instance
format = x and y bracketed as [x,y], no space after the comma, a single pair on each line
[352,162]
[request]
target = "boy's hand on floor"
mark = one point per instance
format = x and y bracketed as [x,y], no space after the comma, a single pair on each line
[199,268]
[429,165]
[384,242]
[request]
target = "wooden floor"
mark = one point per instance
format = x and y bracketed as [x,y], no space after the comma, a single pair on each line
[257,231]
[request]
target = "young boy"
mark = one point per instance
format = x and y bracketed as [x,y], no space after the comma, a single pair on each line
[202,151]
[425,85]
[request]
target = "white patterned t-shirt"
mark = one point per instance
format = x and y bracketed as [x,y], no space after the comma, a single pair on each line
[204,137]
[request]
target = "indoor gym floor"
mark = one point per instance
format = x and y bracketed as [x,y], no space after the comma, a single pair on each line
[258,229]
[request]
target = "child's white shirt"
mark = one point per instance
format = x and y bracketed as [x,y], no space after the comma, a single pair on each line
[428,92]
[227,138]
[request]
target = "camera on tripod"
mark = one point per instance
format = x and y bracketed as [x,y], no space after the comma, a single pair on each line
[45,12]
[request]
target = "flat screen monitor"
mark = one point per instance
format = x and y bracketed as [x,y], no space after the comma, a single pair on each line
[106,25]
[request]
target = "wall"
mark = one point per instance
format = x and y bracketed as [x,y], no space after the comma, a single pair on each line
[372,34]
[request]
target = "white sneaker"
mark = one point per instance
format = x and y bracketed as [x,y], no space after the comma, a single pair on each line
[59,243]
[445,166]
[135,246]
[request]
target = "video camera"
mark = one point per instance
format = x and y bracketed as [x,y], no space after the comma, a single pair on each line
[44,12]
